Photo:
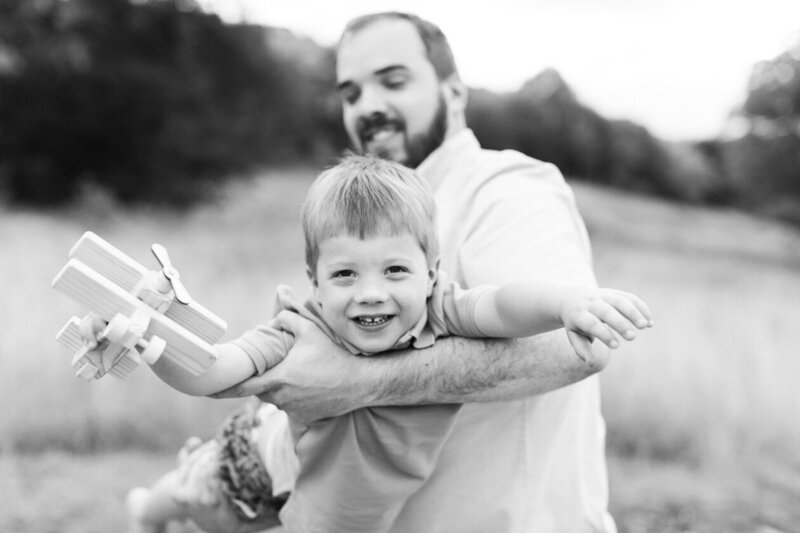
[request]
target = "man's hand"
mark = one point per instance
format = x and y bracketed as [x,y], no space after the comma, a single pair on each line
[316,380]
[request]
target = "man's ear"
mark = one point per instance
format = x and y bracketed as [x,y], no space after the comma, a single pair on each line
[433,274]
[455,94]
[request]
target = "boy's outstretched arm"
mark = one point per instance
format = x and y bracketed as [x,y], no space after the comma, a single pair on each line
[538,234]
[231,367]
[527,307]
[318,379]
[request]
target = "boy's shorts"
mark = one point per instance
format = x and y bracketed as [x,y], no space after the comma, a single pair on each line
[257,465]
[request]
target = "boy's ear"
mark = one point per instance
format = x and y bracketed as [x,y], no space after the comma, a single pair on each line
[433,274]
[312,277]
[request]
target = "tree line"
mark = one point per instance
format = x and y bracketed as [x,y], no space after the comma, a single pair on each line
[158,102]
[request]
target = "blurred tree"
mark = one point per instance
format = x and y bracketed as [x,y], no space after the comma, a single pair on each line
[157,101]
[154,100]
[545,119]
[774,87]
[763,166]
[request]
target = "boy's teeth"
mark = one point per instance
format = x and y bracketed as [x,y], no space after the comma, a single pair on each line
[372,320]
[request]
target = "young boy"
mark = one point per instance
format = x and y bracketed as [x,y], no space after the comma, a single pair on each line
[372,258]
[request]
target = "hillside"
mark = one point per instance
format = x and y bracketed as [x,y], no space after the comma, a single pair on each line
[709,392]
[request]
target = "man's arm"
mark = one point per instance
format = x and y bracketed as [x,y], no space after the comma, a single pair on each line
[463,370]
[527,218]
[318,379]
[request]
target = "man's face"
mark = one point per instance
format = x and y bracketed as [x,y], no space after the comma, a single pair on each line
[372,291]
[391,96]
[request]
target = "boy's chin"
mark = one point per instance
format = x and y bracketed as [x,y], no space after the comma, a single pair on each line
[373,347]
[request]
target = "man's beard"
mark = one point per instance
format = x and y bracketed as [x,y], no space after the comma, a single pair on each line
[418,147]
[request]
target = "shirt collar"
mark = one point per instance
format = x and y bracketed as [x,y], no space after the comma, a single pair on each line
[439,162]
[419,336]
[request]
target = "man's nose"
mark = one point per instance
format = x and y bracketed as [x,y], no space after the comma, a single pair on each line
[372,101]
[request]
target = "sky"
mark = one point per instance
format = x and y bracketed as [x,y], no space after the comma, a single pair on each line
[677,67]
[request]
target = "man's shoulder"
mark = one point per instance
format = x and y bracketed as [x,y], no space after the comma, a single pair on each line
[494,163]
[504,171]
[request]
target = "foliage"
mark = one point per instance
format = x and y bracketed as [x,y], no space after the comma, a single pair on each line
[545,120]
[157,101]
[154,101]
[774,87]
[763,166]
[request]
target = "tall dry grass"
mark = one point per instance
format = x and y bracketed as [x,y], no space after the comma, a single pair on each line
[714,382]
[231,255]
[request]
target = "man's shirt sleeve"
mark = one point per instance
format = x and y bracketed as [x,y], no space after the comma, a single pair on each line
[524,224]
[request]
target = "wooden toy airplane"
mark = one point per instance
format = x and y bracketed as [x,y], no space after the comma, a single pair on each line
[149,313]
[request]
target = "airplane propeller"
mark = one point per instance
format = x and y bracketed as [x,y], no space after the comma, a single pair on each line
[171,273]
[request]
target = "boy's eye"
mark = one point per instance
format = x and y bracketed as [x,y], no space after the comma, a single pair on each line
[396,269]
[343,274]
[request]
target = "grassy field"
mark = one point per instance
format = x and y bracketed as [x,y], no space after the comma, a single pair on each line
[702,410]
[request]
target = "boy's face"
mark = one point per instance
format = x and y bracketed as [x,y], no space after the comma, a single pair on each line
[372,291]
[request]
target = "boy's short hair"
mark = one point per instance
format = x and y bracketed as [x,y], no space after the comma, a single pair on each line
[366,196]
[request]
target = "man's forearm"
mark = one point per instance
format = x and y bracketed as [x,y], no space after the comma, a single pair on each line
[459,370]
[319,379]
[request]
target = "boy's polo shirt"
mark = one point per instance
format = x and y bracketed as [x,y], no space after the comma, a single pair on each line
[353,473]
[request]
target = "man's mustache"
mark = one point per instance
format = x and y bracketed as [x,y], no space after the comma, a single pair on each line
[367,126]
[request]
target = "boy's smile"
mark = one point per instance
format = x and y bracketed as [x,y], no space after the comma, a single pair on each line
[372,291]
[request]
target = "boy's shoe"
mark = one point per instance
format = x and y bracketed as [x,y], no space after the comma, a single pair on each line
[243,477]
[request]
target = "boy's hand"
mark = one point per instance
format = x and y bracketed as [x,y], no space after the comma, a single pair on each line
[603,314]
[90,327]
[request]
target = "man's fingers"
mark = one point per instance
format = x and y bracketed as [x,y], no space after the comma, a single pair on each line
[290,322]
[237,391]
[262,384]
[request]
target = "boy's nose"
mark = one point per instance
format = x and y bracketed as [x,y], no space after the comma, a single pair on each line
[371,292]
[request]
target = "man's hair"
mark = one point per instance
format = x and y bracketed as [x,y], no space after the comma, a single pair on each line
[365,196]
[437,48]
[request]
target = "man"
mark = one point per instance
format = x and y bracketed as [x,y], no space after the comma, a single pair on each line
[527,451]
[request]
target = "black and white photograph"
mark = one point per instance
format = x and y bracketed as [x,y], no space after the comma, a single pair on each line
[399,266]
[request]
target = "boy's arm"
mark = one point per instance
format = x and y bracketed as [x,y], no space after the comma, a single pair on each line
[527,307]
[320,379]
[232,366]
[250,355]
[537,234]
